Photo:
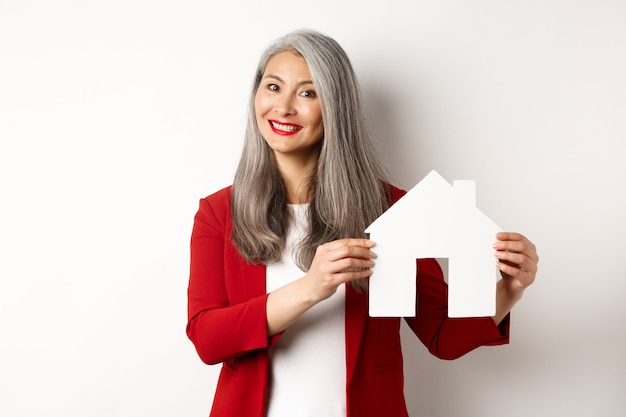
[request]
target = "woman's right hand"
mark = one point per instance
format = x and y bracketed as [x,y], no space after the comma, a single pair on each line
[334,263]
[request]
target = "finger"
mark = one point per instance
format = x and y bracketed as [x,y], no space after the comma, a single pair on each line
[522,246]
[336,252]
[510,236]
[521,276]
[517,259]
[511,257]
[352,264]
[511,270]
[365,243]
[347,276]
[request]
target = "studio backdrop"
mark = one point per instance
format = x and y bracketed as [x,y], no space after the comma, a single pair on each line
[116,117]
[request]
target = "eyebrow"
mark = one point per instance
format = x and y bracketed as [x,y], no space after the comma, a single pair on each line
[276,77]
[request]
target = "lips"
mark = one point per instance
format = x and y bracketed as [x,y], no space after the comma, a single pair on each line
[285,129]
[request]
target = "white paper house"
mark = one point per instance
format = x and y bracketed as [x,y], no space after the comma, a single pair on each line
[434,220]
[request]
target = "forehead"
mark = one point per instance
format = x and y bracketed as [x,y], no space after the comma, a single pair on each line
[287,64]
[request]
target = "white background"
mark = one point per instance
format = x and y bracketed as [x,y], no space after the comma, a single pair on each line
[117,116]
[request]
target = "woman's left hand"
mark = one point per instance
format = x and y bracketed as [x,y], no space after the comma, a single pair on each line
[517,261]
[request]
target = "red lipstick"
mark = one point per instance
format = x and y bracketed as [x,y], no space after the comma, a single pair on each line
[284,128]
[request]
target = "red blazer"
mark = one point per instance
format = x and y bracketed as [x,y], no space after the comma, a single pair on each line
[227,324]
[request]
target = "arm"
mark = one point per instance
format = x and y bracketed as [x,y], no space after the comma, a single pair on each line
[444,337]
[221,328]
[335,263]
[449,338]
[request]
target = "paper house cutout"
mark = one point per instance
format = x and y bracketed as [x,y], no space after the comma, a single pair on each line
[434,220]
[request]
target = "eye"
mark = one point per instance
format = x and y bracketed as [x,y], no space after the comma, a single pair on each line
[308,93]
[272,87]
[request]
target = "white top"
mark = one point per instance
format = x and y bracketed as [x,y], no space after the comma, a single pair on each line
[308,363]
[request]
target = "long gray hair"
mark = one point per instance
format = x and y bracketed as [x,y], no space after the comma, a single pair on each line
[347,187]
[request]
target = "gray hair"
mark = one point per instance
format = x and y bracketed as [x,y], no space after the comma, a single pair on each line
[348,186]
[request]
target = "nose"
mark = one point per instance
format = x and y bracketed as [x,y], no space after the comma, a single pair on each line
[284,105]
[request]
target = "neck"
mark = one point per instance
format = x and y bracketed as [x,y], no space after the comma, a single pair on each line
[296,175]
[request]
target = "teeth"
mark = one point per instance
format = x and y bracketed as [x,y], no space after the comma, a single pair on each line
[285,128]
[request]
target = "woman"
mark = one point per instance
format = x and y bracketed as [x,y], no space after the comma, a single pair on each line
[270,255]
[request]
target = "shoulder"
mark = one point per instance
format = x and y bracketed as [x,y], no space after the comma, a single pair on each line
[216,206]
[219,198]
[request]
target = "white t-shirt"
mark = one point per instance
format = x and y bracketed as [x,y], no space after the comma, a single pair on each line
[308,363]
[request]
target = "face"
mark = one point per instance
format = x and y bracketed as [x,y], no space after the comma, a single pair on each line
[288,110]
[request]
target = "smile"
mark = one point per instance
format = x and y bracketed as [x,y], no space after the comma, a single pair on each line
[284,128]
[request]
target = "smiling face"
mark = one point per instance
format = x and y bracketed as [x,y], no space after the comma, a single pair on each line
[287,108]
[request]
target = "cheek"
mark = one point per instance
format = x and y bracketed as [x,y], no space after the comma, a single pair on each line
[257,106]
[260,104]
[319,121]
[314,116]
[259,111]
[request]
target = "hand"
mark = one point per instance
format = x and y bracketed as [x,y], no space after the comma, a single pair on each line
[336,263]
[517,261]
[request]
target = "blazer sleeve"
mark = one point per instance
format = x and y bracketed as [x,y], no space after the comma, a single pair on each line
[449,338]
[220,329]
